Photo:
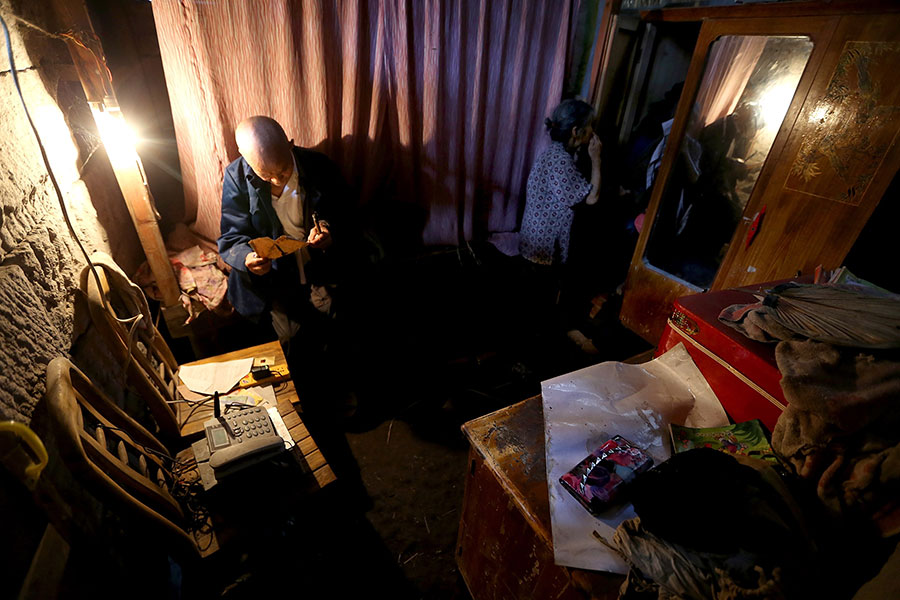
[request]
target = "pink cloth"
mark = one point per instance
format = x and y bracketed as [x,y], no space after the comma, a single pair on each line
[639,222]
[434,102]
[732,59]
[202,282]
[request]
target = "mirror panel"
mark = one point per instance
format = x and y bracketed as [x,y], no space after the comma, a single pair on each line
[746,89]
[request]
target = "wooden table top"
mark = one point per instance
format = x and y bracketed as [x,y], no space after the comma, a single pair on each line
[314,471]
[511,442]
[306,450]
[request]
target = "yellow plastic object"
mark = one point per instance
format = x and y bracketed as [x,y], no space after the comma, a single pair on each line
[34,443]
[279,373]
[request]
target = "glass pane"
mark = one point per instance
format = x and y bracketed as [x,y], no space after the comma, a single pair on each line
[746,90]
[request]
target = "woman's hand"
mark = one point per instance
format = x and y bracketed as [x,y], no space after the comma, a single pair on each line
[594,148]
[257,265]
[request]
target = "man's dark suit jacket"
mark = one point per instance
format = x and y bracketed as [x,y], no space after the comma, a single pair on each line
[247,213]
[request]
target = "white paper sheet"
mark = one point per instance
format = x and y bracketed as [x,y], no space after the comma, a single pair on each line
[280,428]
[214,377]
[585,408]
[263,395]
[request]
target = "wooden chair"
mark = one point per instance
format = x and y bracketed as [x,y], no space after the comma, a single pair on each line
[119,311]
[158,489]
[118,461]
[121,315]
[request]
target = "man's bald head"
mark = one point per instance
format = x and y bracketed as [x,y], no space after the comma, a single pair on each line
[264,145]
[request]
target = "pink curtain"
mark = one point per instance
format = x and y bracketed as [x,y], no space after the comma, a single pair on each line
[732,59]
[434,103]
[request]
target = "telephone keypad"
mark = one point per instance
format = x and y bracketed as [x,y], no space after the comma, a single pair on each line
[247,434]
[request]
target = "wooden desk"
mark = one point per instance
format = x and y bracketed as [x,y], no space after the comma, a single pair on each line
[505,549]
[315,471]
[286,396]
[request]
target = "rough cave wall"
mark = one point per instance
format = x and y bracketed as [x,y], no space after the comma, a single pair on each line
[39,260]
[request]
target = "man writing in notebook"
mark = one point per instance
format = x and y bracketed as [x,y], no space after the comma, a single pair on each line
[274,189]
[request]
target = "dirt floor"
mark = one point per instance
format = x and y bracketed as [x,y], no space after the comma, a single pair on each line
[470,341]
[416,485]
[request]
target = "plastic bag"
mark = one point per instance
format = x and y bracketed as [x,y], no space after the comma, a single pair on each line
[584,408]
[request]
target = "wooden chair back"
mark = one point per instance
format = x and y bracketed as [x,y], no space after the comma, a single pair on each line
[115,458]
[119,311]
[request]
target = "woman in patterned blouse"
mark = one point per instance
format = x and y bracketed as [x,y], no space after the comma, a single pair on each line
[555,186]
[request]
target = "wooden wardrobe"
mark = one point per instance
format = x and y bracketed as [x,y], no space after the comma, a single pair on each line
[783,143]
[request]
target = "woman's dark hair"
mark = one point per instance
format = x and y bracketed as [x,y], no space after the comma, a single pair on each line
[568,114]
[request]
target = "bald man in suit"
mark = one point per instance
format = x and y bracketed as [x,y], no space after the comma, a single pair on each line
[275,188]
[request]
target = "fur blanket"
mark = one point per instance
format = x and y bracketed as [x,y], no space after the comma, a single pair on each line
[842,427]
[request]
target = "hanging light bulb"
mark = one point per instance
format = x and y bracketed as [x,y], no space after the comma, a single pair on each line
[118,138]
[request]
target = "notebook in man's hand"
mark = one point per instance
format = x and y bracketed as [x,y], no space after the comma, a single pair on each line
[266,247]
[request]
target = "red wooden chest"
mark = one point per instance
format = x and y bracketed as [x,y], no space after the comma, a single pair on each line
[741,371]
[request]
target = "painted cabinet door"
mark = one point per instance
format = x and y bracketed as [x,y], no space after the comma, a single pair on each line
[782,146]
[838,160]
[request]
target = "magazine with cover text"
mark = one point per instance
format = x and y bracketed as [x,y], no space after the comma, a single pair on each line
[747,438]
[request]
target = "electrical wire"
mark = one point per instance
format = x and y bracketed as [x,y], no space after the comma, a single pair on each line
[173,462]
[72,35]
[196,404]
[134,323]
[131,321]
[59,196]
[31,25]
[185,492]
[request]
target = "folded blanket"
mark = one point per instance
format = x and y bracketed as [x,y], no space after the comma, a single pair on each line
[841,428]
[841,314]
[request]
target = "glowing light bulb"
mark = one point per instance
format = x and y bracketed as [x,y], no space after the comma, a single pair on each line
[818,114]
[118,138]
[774,104]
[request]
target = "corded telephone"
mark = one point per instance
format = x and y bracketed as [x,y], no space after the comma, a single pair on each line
[240,439]
[243,437]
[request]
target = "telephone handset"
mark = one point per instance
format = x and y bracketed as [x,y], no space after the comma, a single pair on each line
[240,439]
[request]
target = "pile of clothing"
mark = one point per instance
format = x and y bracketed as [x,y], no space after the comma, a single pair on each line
[839,357]
[841,428]
[200,273]
[715,526]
